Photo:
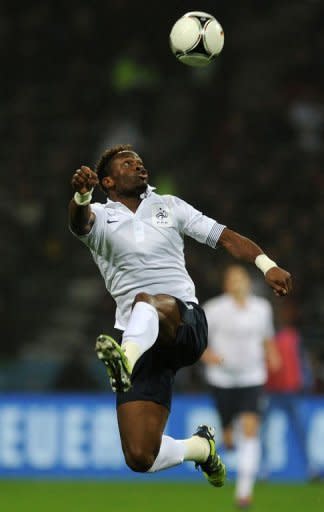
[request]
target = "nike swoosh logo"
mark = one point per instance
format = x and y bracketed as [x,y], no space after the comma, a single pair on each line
[111,221]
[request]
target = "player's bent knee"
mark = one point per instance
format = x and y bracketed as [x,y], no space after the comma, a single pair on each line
[250,425]
[139,461]
[143,297]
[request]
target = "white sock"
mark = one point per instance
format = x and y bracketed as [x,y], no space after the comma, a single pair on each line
[248,459]
[141,332]
[197,449]
[172,452]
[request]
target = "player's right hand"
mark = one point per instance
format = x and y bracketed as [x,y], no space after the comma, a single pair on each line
[280,281]
[84,179]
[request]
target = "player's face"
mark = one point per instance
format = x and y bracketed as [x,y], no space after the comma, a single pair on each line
[237,281]
[128,175]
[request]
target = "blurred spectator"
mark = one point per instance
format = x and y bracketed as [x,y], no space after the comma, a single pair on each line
[294,374]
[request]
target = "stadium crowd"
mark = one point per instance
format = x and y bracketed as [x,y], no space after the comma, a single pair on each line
[241,140]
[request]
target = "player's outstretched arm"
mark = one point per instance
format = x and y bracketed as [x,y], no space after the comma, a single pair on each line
[244,249]
[81,217]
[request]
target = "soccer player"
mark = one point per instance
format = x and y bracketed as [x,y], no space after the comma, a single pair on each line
[240,347]
[136,239]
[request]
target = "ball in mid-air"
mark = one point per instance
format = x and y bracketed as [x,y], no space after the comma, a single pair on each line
[196,38]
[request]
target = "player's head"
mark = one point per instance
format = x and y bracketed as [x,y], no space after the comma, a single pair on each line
[122,171]
[237,281]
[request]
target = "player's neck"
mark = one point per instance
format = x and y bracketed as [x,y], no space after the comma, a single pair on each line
[240,299]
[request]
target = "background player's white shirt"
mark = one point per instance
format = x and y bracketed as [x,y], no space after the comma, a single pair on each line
[143,251]
[237,334]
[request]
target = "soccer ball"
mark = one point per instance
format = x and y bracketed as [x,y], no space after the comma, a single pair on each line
[196,38]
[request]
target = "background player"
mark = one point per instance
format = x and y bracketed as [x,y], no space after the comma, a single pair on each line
[240,346]
[136,239]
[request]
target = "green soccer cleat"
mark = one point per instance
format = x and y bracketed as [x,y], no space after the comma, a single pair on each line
[116,362]
[213,469]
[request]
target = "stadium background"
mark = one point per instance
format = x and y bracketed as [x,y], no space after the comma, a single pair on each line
[241,140]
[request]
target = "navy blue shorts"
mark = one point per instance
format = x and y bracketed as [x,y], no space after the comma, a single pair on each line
[154,372]
[231,402]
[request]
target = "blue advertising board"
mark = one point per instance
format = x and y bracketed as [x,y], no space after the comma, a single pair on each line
[76,436]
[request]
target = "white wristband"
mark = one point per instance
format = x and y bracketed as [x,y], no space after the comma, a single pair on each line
[83,199]
[264,263]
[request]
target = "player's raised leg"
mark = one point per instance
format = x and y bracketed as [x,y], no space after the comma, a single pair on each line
[152,317]
[146,449]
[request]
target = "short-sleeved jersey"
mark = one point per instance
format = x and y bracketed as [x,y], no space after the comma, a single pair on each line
[237,334]
[144,251]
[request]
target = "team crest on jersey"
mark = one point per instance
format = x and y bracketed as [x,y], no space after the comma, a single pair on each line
[161,216]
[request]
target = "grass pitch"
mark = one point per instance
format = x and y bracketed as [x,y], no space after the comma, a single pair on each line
[36,496]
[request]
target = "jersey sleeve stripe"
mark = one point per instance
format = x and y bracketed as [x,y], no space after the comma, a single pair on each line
[214,234]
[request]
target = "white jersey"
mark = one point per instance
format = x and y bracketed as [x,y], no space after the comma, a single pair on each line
[237,334]
[144,251]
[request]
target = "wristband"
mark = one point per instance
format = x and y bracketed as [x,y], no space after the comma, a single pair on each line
[83,199]
[264,263]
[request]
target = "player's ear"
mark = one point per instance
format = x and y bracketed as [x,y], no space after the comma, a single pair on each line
[107,182]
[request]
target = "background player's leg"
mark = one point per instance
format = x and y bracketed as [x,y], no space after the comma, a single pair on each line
[153,316]
[141,426]
[248,457]
[226,403]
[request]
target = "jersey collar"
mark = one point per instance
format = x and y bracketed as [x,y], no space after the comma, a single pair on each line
[144,195]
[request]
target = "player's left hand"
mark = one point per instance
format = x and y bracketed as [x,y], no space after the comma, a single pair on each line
[279,280]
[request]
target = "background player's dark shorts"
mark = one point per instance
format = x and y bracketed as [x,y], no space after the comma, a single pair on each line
[230,402]
[154,372]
